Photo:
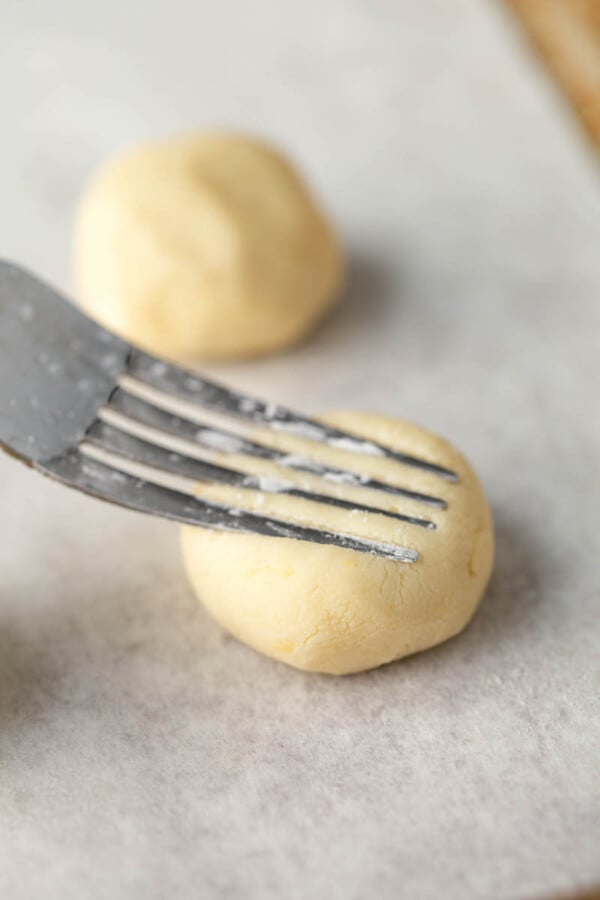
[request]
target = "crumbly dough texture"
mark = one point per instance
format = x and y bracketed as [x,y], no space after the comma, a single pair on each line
[327,609]
[205,246]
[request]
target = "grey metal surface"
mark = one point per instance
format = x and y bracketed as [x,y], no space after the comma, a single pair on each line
[95,478]
[143,450]
[224,443]
[203,392]
[57,367]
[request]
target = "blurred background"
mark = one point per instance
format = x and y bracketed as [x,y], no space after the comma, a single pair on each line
[445,157]
[138,759]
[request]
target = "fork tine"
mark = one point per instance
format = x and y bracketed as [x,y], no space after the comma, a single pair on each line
[202,392]
[61,368]
[102,481]
[145,451]
[225,442]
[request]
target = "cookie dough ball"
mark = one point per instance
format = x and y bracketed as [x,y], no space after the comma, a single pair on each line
[328,609]
[205,246]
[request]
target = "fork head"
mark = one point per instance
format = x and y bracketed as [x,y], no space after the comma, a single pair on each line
[59,377]
[57,367]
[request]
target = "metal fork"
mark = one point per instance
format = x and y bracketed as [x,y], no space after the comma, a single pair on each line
[72,392]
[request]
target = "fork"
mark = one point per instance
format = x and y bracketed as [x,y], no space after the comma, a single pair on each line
[83,406]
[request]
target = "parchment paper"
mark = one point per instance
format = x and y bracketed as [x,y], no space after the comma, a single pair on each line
[145,754]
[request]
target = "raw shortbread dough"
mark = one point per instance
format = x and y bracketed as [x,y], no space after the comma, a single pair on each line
[328,609]
[205,246]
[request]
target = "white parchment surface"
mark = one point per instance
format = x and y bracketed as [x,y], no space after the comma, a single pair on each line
[145,754]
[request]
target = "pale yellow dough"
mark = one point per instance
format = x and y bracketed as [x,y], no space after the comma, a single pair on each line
[328,609]
[205,246]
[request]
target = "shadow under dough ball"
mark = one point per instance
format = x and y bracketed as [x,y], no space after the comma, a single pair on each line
[205,246]
[329,609]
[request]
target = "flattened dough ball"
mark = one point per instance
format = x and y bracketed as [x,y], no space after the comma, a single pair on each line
[328,609]
[205,246]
